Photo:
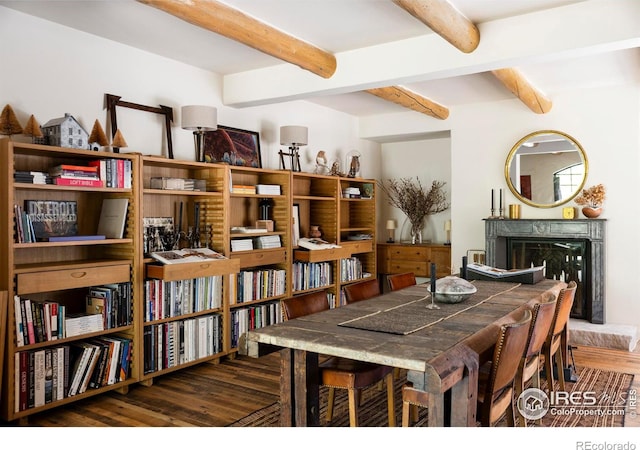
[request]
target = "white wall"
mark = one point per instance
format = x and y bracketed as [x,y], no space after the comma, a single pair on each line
[49,70]
[604,119]
[428,160]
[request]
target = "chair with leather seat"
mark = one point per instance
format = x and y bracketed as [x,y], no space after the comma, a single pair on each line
[496,385]
[362,290]
[401,280]
[553,346]
[529,369]
[341,373]
[495,382]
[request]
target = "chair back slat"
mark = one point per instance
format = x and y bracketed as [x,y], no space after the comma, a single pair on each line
[541,320]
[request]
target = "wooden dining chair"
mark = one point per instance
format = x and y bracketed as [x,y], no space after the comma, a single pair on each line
[529,369]
[496,385]
[401,280]
[362,290]
[342,373]
[553,346]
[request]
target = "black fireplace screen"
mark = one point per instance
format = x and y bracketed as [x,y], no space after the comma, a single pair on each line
[565,260]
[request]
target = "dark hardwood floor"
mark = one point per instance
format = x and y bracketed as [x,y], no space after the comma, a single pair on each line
[218,394]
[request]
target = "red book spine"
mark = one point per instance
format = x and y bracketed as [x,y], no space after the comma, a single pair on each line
[77,182]
[120,170]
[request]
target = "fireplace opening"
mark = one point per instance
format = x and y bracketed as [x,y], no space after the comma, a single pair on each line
[563,259]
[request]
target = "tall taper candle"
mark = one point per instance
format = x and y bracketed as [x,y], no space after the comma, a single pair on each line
[463,271]
[500,199]
[433,278]
[493,206]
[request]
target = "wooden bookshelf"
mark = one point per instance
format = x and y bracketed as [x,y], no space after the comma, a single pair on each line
[63,272]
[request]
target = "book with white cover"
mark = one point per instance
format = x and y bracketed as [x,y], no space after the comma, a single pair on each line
[187,255]
[315,244]
[113,217]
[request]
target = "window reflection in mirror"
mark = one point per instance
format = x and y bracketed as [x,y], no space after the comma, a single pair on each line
[546,168]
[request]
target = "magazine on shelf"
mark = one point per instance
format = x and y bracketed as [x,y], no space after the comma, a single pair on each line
[315,244]
[187,255]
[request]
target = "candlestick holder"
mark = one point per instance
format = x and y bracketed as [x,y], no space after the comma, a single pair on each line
[493,214]
[501,216]
[432,305]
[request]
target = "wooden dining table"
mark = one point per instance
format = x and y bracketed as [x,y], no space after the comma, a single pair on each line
[441,349]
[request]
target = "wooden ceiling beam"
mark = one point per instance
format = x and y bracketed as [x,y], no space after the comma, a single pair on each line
[444,19]
[233,24]
[513,80]
[409,99]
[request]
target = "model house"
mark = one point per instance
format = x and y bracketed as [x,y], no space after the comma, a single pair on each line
[573,68]
[65,132]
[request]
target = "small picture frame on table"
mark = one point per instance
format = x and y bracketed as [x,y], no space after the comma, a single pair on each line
[232,146]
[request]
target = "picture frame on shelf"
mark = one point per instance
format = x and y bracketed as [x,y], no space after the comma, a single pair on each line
[296,224]
[232,146]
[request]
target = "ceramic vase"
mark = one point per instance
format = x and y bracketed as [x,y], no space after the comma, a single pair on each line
[591,213]
[315,232]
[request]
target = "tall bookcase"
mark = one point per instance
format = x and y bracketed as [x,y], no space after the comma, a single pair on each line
[346,219]
[250,282]
[186,307]
[264,272]
[62,272]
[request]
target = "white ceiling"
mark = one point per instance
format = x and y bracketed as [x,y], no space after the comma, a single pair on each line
[340,26]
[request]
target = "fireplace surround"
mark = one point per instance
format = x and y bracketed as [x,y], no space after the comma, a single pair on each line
[499,233]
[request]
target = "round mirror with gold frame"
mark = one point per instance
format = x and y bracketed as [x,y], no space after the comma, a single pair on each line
[546,168]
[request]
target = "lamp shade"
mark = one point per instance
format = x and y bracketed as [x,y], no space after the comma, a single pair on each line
[447,225]
[294,135]
[391,224]
[199,117]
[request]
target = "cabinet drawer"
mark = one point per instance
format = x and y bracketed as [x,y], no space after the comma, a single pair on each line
[260,257]
[358,246]
[56,280]
[184,271]
[330,254]
[420,269]
[409,253]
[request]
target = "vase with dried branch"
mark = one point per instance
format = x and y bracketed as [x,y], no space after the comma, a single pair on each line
[416,201]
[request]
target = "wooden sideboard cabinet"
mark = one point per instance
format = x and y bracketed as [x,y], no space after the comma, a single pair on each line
[416,258]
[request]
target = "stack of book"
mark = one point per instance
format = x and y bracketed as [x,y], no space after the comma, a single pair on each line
[239,245]
[72,175]
[243,189]
[351,192]
[270,241]
[178,184]
[268,189]
[32,177]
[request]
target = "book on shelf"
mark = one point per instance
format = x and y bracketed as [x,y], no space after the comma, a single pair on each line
[270,241]
[187,255]
[248,230]
[77,324]
[239,245]
[71,169]
[243,189]
[268,189]
[113,217]
[32,177]
[178,184]
[52,218]
[77,182]
[78,237]
[315,244]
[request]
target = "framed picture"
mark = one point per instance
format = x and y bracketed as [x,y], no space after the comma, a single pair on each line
[296,224]
[232,146]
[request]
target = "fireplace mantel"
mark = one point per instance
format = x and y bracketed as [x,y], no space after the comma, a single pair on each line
[592,230]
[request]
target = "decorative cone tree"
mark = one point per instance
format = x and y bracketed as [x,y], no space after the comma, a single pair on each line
[118,140]
[98,135]
[32,128]
[9,124]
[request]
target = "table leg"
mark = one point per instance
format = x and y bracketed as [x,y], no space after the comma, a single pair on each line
[299,388]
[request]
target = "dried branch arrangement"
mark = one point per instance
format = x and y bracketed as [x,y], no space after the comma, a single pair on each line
[413,199]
